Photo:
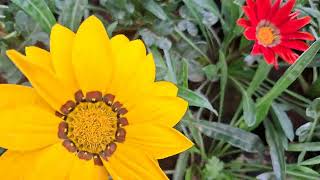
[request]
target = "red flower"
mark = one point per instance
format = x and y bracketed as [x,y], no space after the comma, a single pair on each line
[275,29]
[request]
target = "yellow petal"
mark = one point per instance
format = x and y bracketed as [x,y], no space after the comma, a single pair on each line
[87,170]
[143,78]
[27,128]
[92,57]
[61,43]
[130,163]
[43,80]
[165,111]
[15,165]
[133,72]
[39,56]
[52,163]
[129,56]
[14,96]
[158,141]
[163,88]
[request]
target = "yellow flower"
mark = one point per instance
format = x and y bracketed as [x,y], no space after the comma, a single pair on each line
[94,109]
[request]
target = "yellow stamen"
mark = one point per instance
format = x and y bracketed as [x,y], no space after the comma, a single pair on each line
[266,35]
[92,126]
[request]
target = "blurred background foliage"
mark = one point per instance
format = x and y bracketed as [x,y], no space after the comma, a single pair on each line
[247,119]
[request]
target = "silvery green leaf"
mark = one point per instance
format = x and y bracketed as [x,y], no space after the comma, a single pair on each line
[164,43]
[30,30]
[246,141]
[195,71]
[130,7]
[39,11]
[182,25]
[111,27]
[313,110]
[149,38]
[209,18]
[155,9]
[211,72]
[8,70]
[72,13]
[303,131]
[192,29]
[184,12]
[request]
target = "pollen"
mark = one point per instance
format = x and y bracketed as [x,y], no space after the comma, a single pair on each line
[92,126]
[267,34]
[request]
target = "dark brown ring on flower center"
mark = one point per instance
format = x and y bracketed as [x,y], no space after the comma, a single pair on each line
[92,97]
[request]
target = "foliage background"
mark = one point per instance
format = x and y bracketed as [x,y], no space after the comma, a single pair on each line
[247,119]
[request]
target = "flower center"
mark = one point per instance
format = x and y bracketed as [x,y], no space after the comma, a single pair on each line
[267,34]
[92,125]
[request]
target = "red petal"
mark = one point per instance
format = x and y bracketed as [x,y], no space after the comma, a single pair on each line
[249,12]
[250,33]
[286,54]
[263,8]
[243,22]
[298,35]
[250,3]
[294,15]
[282,14]
[295,44]
[294,25]
[274,8]
[256,49]
[268,55]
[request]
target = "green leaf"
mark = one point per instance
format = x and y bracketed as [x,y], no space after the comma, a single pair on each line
[249,109]
[313,109]
[311,161]
[210,5]
[111,27]
[195,99]
[182,76]
[211,72]
[39,11]
[260,75]
[292,73]
[223,80]
[310,146]
[213,168]
[181,166]
[276,150]
[284,120]
[72,13]
[302,172]
[155,9]
[160,64]
[237,137]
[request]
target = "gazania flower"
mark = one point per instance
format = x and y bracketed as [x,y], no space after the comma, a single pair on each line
[94,110]
[275,29]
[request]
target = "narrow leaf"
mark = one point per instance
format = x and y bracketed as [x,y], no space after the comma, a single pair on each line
[223,81]
[260,75]
[237,137]
[249,110]
[155,9]
[72,13]
[276,150]
[195,99]
[311,161]
[284,120]
[311,146]
[292,73]
[181,166]
[39,11]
